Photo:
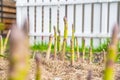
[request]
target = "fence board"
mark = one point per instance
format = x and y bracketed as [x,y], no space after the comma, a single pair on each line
[70,18]
[46,27]
[54,16]
[96,23]
[38,21]
[19,14]
[87,22]
[104,20]
[32,21]
[113,16]
[24,12]
[61,16]
[78,24]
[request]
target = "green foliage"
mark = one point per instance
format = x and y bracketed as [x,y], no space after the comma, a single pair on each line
[43,47]
[102,46]
[118,58]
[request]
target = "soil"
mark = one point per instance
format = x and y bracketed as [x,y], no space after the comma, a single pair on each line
[62,70]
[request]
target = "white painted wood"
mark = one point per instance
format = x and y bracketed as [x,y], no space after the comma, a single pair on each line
[62,3]
[38,21]
[32,21]
[104,20]
[54,16]
[87,22]
[96,23]
[46,27]
[70,18]
[61,16]
[119,13]
[19,14]
[77,35]
[22,13]
[113,16]
[78,24]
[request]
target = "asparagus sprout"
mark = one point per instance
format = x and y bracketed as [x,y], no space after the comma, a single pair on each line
[111,55]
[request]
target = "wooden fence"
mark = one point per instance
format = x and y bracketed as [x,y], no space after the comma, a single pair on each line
[7,12]
[92,18]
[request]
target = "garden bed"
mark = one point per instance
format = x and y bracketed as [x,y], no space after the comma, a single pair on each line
[61,70]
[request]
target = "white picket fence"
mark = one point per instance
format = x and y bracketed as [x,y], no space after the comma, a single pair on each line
[92,18]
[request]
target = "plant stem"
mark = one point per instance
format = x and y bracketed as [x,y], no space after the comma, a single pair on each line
[83,48]
[77,49]
[49,48]
[6,41]
[72,53]
[38,68]
[111,55]
[63,50]
[55,42]
[59,41]
[1,45]
[104,56]
[19,55]
[65,38]
[91,55]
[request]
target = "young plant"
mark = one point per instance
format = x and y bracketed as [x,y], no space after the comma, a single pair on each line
[65,28]
[111,55]
[59,41]
[65,39]
[62,56]
[91,55]
[55,42]
[1,45]
[91,42]
[77,49]
[83,49]
[104,56]
[19,54]
[6,41]
[72,53]
[49,47]
[73,36]
[72,45]
[38,68]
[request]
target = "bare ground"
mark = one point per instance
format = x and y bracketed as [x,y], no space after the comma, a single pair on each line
[61,70]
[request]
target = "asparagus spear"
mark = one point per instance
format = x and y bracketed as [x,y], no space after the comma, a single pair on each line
[58,41]
[19,54]
[91,55]
[72,53]
[65,38]
[55,42]
[83,49]
[77,49]
[38,68]
[49,48]
[1,45]
[111,55]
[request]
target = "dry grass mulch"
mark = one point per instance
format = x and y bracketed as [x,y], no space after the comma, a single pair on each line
[61,70]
